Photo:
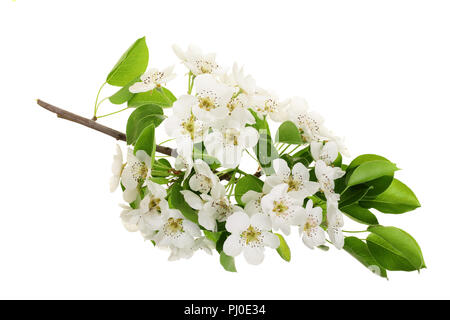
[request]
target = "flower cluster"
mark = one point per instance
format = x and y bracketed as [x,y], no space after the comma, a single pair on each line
[205,200]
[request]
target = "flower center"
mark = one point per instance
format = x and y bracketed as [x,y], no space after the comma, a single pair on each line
[280,208]
[154,204]
[189,126]
[223,209]
[140,171]
[310,225]
[205,66]
[174,226]
[293,184]
[206,103]
[251,236]
[231,136]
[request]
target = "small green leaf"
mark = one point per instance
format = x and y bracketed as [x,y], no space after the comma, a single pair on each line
[371,170]
[124,94]
[283,250]
[365,158]
[132,64]
[359,250]
[398,198]
[159,96]
[159,180]
[227,262]
[146,141]
[246,183]
[359,214]
[213,236]
[288,133]
[395,249]
[141,118]
[176,201]
[266,152]
[352,195]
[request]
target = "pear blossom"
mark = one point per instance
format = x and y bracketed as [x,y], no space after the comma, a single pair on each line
[184,163]
[185,126]
[326,176]
[227,144]
[153,206]
[153,78]
[327,152]
[237,78]
[335,220]
[252,201]
[265,103]
[116,168]
[283,210]
[212,98]
[201,243]
[310,231]
[203,179]
[137,170]
[127,216]
[211,208]
[176,231]
[249,235]
[238,110]
[197,62]
[299,186]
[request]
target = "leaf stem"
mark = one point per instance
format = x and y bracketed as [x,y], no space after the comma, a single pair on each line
[109,114]
[355,231]
[96,100]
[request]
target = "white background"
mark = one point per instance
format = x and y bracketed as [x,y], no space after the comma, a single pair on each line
[379,71]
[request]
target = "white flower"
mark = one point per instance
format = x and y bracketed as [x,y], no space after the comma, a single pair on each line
[127,216]
[227,144]
[212,208]
[176,231]
[310,123]
[299,186]
[197,62]
[201,243]
[237,78]
[116,169]
[212,98]
[203,179]
[283,210]
[136,172]
[267,104]
[326,176]
[153,78]
[185,126]
[327,152]
[249,234]
[153,206]
[252,201]
[313,234]
[335,223]
[238,110]
[184,163]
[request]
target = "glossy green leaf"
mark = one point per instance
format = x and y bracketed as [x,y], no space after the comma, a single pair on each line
[398,198]
[176,201]
[159,180]
[213,236]
[227,262]
[283,250]
[395,249]
[159,96]
[359,250]
[246,183]
[146,141]
[359,214]
[288,133]
[365,158]
[141,118]
[124,94]
[132,64]
[266,153]
[371,170]
[353,195]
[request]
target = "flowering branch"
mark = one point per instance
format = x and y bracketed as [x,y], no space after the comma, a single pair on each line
[64,114]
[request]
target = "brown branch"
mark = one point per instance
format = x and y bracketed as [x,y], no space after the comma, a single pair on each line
[64,114]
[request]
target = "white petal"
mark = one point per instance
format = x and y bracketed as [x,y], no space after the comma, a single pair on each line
[130,194]
[249,137]
[271,240]
[191,228]
[300,172]
[261,221]
[237,222]
[193,200]
[282,169]
[207,220]
[232,246]
[254,255]
[218,191]
[250,195]
[141,87]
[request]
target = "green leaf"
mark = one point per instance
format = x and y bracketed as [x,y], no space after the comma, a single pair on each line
[132,64]
[283,250]
[213,236]
[365,158]
[146,141]
[371,170]
[359,214]
[159,180]
[260,124]
[398,198]
[159,96]
[140,118]
[266,153]
[352,195]
[246,183]
[304,156]
[395,249]
[359,250]
[176,201]
[124,94]
[227,262]
[288,133]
